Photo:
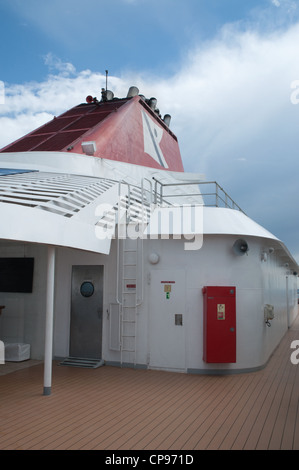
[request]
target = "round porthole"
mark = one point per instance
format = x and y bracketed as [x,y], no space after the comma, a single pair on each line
[87,289]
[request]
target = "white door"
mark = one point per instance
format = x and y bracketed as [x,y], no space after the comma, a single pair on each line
[167,319]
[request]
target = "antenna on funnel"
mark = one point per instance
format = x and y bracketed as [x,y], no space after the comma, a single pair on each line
[106,80]
[106,94]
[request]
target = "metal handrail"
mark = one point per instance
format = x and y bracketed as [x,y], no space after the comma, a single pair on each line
[220,195]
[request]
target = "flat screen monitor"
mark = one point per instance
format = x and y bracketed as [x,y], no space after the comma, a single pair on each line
[16,274]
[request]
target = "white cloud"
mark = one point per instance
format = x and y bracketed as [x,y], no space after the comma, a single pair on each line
[57,65]
[289,5]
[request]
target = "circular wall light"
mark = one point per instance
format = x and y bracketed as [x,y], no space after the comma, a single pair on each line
[154,258]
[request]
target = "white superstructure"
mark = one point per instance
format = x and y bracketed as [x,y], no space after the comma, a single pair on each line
[123,253]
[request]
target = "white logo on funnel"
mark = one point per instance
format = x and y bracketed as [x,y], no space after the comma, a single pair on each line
[152,137]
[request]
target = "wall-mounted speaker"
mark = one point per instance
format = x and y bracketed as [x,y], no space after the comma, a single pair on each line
[240,247]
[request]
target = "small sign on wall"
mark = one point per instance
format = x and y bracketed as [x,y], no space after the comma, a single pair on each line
[220,311]
[167,288]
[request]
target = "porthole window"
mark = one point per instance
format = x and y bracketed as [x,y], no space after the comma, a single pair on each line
[87,289]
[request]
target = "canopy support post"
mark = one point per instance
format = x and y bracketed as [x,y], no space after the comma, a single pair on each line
[49,321]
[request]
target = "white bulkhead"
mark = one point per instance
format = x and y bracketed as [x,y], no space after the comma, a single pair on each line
[137,299]
[169,320]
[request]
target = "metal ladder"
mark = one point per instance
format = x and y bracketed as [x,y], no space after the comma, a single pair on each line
[129,301]
[129,283]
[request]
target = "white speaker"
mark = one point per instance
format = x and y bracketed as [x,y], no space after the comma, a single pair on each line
[240,247]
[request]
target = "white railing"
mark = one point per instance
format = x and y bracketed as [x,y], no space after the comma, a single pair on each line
[213,196]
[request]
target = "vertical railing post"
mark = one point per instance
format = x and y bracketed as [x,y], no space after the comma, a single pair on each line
[216,194]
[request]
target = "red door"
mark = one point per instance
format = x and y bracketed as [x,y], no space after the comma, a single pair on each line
[219,323]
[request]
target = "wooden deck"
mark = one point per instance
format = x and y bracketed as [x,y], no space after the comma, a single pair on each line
[112,408]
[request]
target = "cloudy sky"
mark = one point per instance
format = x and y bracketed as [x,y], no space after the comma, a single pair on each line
[226,70]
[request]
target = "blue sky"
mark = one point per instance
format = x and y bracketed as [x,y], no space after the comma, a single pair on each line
[148,35]
[226,70]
